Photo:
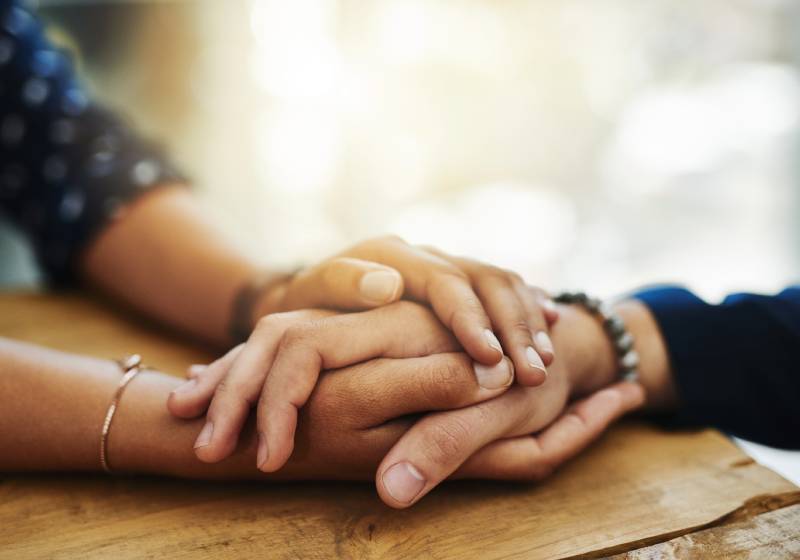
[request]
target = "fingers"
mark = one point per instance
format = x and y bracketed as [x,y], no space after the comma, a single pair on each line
[536,457]
[307,349]
[447,289]
[231,391]
[439,443]
[540,313]
[344,283]
[456,304]
[513,322]
[383,390]
[192,398]
[516,313]
[587,419]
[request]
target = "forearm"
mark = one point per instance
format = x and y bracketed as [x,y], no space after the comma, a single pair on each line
[165,258]
[580,339]
[52,407]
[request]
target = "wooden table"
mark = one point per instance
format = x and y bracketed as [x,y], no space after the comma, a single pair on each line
[637,493]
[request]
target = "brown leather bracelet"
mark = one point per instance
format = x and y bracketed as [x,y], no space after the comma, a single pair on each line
[241,324]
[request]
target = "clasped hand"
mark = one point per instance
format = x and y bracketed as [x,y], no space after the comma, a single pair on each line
[394,392]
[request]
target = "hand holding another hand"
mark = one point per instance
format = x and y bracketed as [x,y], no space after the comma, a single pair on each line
[473,300]
[357,416]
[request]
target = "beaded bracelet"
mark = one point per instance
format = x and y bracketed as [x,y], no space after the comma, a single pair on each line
[621,339]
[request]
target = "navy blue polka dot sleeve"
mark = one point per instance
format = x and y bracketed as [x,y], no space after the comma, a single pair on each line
[67,166]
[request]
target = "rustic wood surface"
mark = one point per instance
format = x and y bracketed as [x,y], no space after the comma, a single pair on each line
[637,487]
[774,534]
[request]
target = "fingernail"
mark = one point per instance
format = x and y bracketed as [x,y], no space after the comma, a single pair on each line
[549,304]
[263,451]
[187,387]
[196,369]
[534,360]
[493,377]
[403,482]
[380,285]
[543,341]
[491,340]
[205,435]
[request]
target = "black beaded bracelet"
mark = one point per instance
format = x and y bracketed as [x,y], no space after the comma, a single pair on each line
[621,339]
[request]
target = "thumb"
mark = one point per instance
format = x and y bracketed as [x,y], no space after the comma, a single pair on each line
[344,283]
[535,457]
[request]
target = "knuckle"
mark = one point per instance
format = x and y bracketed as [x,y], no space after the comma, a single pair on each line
[518,328]
[294,336]
[230,394]
[445,442]
[381,242]
[449,272]
[577,421]
[515,278]
[447,381]
[469,310]
[270,323]
[300,334]
[482,413]
[494,274]
[279,322]
[414,311]
[446,376]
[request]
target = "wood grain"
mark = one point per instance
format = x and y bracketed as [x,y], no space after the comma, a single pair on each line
[636,487]
[774,535]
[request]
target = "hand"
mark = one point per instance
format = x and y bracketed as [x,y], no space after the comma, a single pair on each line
[353,417]
[441,443]
[356,414]
[487,440]
[279,366]
[472,299]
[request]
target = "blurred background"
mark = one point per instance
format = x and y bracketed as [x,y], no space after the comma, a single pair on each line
[598,145]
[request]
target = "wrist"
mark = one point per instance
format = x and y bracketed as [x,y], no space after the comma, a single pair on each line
[146,439]
[261,295]
[592,363]
[270,297]
[655,372]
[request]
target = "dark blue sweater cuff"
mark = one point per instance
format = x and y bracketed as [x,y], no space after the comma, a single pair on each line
[734,364]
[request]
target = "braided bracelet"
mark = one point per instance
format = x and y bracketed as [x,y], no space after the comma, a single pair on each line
[621,339]
[241,322]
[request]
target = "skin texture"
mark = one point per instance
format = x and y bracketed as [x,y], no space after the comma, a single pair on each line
[355,416]
[352,419]
[199,273]
[441,444]
[280,366]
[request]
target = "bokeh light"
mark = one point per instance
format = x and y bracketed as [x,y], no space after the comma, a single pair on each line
[595,145]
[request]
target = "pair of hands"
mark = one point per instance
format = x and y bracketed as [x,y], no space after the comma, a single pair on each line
[388,363]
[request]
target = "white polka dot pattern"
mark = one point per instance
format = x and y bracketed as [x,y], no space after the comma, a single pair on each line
[67,165]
